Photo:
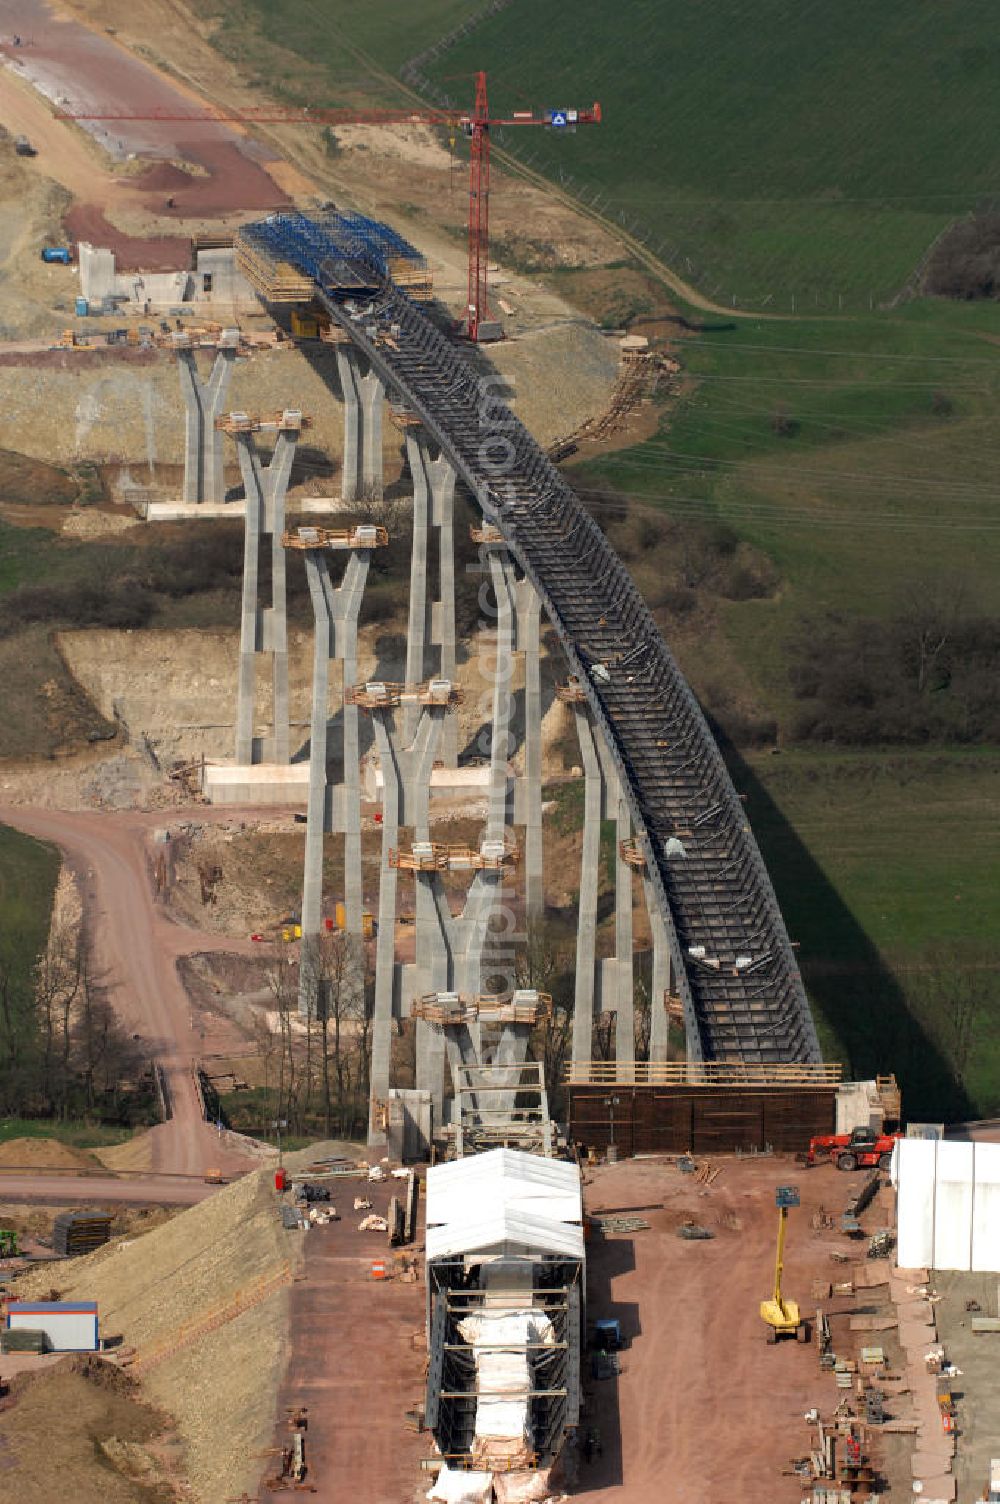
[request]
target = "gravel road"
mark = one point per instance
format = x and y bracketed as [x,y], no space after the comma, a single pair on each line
[136,947]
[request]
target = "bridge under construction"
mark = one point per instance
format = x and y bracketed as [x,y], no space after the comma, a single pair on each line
[733,965]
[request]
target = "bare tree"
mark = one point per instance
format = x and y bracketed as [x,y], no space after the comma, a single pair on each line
[932,609]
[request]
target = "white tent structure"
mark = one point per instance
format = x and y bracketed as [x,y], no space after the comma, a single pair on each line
[505,1281]
[947,1205]
[504,1202]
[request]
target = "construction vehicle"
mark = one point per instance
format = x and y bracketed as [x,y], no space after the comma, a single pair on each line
[782,1316]
[23,147]
[861,1149]
[607,1336]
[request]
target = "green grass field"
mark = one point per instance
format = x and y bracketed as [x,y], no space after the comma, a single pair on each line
[790,148]
[886,867]
[76,1135]
[28,872]
[877,487]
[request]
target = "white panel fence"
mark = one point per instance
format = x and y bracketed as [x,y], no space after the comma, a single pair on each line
[948,1205]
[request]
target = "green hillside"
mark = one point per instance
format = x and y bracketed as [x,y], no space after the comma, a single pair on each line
[775,149]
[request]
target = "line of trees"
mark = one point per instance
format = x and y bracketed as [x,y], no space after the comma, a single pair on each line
[927,673]
[64,1055]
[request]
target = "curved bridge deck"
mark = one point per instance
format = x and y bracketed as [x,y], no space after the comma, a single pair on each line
[736,973]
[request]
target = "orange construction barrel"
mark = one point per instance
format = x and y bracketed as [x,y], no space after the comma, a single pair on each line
[378,1268]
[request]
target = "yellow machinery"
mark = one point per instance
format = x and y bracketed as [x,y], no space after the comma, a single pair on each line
[781,1315]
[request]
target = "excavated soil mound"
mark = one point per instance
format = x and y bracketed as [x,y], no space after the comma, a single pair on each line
[173,1296]
[136,1154]
[44,1154]
[164,178]
[79,1429]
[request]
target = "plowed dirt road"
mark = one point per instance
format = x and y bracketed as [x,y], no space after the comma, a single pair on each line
[136,947]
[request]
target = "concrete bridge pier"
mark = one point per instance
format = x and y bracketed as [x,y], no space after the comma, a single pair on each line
[498,810]
[203,403]
[336,616]
[405,801]
[264,631]
[431,623]
[606,985]
[659,1022]
[584,1002]
[529,610]
[363,394]
[519,610]
[617,976]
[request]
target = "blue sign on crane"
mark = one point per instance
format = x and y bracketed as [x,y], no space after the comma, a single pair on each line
[558,118]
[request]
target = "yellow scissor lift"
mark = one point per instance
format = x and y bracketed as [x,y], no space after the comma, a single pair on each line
[780,1315]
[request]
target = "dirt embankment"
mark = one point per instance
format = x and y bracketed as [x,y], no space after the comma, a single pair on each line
[170,1296]
[82,1428]
[44,1153]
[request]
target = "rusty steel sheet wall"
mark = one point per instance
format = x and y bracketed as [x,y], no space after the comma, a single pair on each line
[700,1120]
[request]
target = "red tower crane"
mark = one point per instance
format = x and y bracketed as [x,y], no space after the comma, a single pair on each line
[476,124]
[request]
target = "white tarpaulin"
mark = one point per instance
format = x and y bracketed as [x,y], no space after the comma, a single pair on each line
[947,1205]
[503,1374]
[456,1486]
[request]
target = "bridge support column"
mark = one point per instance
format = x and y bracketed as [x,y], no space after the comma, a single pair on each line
[503,672]
[659,1022]
[371,390]
[586,934]
[435,937]
[350,475]
[387,999]
[623,962]
[529,609]
[336,615]
[265,488]
[431,623]
[405,800]
[519,623]
[203,403]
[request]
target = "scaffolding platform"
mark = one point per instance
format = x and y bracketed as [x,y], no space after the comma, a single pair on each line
[311,538]
[432,856]
[524,1006]
[378,695]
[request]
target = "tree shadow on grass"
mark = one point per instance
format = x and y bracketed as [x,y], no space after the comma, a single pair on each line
[862,1013]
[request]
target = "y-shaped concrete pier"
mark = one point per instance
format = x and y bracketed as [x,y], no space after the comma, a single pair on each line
[450,949]
[203,404]
[336,636]
[263,631]
[363,393]
[406,768]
